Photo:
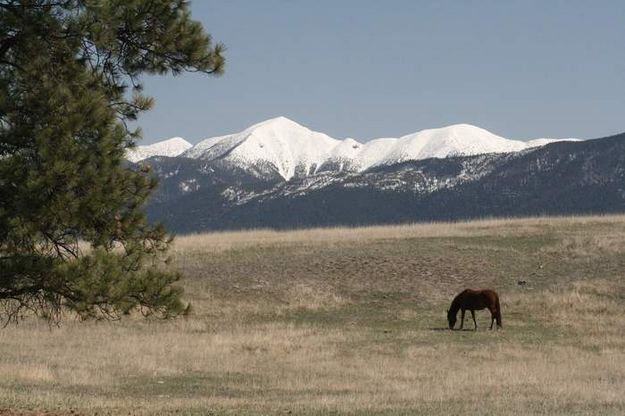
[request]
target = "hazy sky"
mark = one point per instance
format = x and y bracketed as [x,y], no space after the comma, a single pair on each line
[368,69]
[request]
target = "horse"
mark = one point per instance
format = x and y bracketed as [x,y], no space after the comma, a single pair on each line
[475,300]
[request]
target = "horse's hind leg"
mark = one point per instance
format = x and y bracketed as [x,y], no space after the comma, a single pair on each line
[474,321]
[492,319]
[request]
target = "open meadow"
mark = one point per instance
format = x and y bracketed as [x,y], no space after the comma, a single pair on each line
[352,321]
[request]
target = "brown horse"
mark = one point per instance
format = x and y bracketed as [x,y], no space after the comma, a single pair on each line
[475,300]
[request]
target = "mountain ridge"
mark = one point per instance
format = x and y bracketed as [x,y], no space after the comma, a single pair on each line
[170,147]
[283,147]
[562,178]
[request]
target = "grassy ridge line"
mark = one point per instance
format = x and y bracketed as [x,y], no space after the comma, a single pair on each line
[224,240]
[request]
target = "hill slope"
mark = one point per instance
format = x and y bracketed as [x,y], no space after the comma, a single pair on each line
[559,178]
[283,148]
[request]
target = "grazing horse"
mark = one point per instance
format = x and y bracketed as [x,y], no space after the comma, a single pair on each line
[475,300]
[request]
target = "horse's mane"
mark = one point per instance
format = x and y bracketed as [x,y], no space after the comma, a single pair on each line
[455,304]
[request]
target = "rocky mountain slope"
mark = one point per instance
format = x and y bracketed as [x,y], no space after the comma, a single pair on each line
[223,191]
[284,148]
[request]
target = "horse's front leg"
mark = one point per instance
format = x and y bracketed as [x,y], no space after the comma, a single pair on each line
[462,318]
[474,321]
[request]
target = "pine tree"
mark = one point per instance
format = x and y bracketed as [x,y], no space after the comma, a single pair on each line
[73,236]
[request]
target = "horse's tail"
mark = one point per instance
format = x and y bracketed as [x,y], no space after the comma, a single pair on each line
[498,315]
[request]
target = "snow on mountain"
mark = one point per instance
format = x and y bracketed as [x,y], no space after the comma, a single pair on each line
[460,139]
[171,147]
[281,143]
[541,142]
[294,150]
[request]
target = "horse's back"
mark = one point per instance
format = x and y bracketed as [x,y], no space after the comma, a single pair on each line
[480,292]
[491,294]
[478,298]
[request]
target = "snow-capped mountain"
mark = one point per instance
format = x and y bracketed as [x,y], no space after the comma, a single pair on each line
[279,144]
[171,148]
[289,149]
[280,174]
[230,190]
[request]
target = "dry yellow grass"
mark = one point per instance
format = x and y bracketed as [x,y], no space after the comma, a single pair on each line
[351,321]
[219,241]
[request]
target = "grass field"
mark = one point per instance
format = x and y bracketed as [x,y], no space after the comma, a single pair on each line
[352,321]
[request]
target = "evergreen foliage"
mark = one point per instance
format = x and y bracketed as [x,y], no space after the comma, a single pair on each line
[73,235]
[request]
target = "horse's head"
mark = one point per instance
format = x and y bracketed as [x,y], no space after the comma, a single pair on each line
[451,318]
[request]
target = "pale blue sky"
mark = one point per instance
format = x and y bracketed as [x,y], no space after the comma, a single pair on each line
[367,69]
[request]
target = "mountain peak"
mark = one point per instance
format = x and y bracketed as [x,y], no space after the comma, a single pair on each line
[278,120]
[170,147]
[174,141]
[454,130]
[463,128]
[277,123]
[284,147]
